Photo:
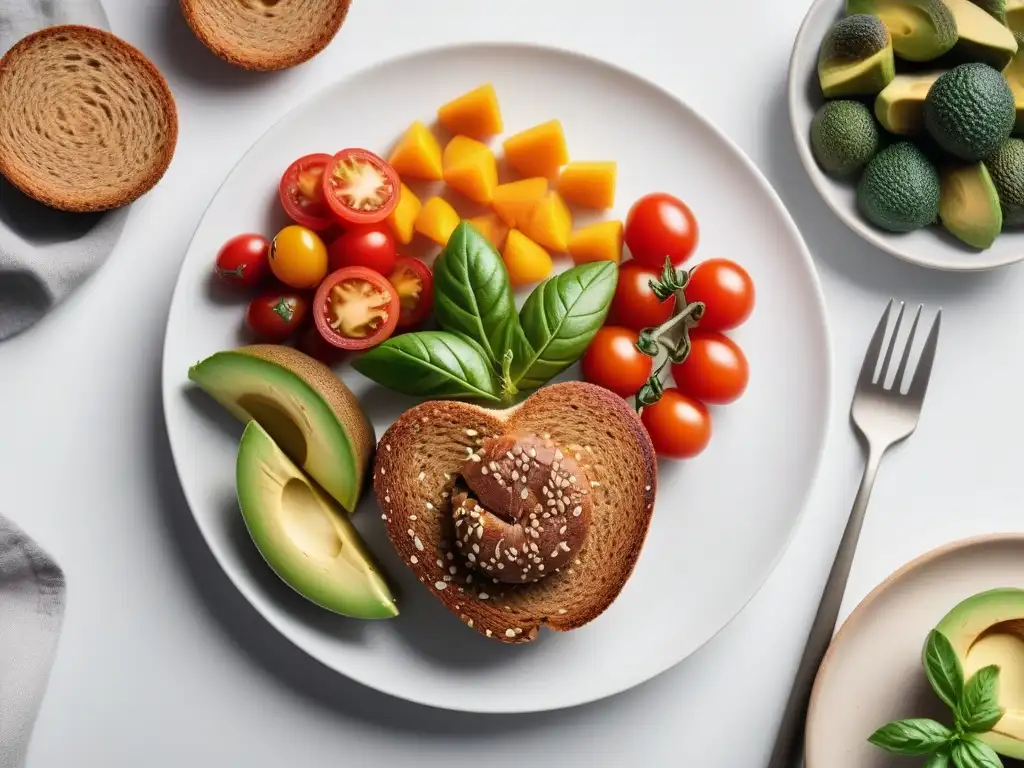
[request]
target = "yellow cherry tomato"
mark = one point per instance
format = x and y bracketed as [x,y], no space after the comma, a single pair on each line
[298,257]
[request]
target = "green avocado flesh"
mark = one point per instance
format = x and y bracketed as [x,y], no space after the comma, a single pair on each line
[969,206]
[981,38]
[921,30]
[304,536]
[900,105]
[855,58]
[985,629]
[1015,15]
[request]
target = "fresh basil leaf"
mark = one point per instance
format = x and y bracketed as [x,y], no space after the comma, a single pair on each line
[472,293]
[943,668]
[559,320]
[971,753]
[431,364]
[979,708]
[940,759]
[917,736]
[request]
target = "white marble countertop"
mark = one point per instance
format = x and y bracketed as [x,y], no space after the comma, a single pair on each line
[162,663]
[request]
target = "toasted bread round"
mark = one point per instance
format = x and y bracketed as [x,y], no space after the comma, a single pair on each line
[87,123]
[420,457]
[265,35]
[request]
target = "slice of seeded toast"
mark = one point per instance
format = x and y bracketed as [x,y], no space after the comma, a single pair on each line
[418,468]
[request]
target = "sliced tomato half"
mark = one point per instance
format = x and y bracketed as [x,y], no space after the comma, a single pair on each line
[356,308]
[360,187]
[414,283]
[302,192]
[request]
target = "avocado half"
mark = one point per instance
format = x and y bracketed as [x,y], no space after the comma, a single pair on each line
[900,106]
[988,628]
[921,30]
[304,536]
[980,37]
[855,58]
[969,204]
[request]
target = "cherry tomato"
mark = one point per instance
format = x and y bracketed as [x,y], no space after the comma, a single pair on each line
[355,308]
[660,225]
[312,343]
[715,371]
[634,304]
[414,283]
[612,361]
[371,246]
[360,187]
[302,192]
[726,290]
[679,426]
[298,257]
[275,315]
[242,260]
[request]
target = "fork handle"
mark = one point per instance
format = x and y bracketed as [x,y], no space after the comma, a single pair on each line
[788,741]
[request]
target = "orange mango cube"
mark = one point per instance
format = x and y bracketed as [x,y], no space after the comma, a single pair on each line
[591,185]
[417,154]
[550,224]
[514,202]
[403,218]
[470,168]
[437,220]
[491,227]
[475,114]
[525,261]
[537,151]
[598,242]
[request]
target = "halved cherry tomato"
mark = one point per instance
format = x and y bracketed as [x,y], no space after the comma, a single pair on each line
[275,315]
[414,283]
[242,260]
[715,371]
[312,343]
[679,426]
[635,305]
[660,225]
[302,192]
[355,308]
[298,257]
[371,246]
[613,361]
[360,187]
[726,290]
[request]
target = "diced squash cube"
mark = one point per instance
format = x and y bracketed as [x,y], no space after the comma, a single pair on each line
[550,224]
[417,154]
[514,202]
[589,184]
[403,218]
[491,227]
[538,151]
[475,114]
[525,261]
[470,168]
[437,220]
[598,242]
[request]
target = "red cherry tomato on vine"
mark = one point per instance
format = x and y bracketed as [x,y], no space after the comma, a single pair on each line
[371,246]
[726,290]
[355,308]
[716,370]
[275,315]
[243,261]
[414,283]
[612,361]
[679,426]
[634,304]
[360,187]
[660,225]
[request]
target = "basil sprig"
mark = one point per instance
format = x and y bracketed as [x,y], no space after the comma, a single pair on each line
[975,708]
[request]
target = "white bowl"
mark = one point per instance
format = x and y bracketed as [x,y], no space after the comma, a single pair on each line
[931,247]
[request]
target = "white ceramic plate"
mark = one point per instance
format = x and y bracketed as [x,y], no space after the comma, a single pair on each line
[872,674]
[721,522]
[931,247]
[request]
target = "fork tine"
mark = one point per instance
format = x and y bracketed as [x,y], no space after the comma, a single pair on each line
[919,384]
[867,370]
[892,346]
[897,383]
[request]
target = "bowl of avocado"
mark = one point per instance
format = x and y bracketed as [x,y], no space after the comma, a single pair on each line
[908,116]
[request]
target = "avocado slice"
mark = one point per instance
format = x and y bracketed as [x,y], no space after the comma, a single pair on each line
[1007,170]
[994,8]
[980,37]
[921,30]
[900,105]
[304,536]
[1014,74]
[1015,15]
[969,204]
[307,410]
[855,58]
[988,628]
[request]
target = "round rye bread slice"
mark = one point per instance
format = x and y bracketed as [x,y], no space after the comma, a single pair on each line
[87,123]
[265,35]
[419,470]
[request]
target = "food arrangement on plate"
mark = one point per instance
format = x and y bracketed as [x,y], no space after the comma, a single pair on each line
[516,501]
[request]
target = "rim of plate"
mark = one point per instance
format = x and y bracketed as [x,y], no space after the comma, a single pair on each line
[853,223]
[803,252]
[856,616]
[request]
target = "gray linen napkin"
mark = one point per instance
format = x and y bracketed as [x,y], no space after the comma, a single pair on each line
[45,254]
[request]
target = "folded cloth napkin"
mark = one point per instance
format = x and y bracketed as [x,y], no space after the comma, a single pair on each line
[45,254]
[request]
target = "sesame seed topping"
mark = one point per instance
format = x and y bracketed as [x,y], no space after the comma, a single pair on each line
[476,548]
[594,484]
[424,419]
[483,470]
[519,630]
[480,532]
[562,529]
[562,610]
[452,569]
[414,559]
[387,499]
[483,596]
[387,447]
[488,632]
[577,511]
[447,476]
[469,623]
[515,475]
[647,487]
[471,557]
[449,555]
[440,563]
[440,585]
[524,493]
[471,432]
[413,517]
[510,633]
[418,544]
[447,578]
[383,517]
[577,561]
[429,505]
[383,471]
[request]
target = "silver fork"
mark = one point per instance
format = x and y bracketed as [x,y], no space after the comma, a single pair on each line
[883,416]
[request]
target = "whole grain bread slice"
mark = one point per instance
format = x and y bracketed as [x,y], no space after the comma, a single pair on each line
[265,35]
[417,469]
[87,123]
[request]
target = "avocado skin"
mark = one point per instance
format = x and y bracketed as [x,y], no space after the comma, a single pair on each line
[978,231]
[854,38]
[994,8]
[970,111]
[1007,170]
[917,46]
[855,58]
[899,190]
[844,136]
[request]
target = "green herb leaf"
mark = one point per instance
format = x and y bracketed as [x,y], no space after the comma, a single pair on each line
[431,364]
[917,736]
[971,753]
[979,708]
[559,320]
[939,760]
[472,293]
[943,668]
